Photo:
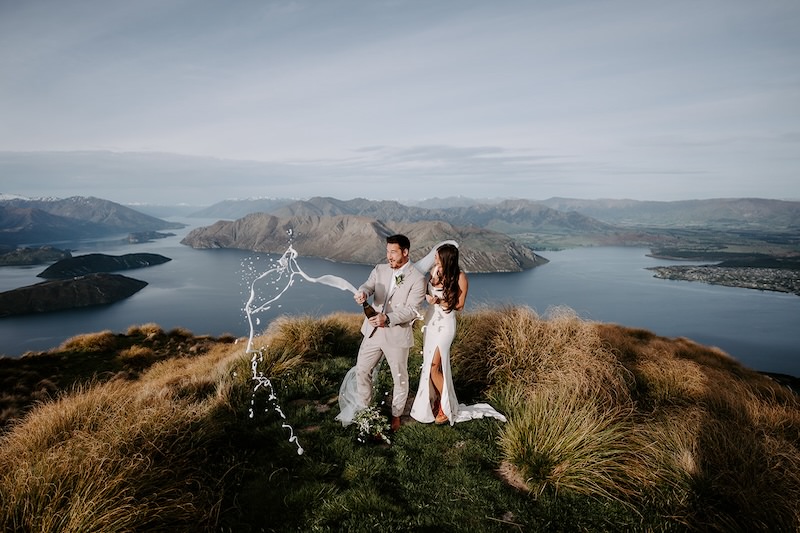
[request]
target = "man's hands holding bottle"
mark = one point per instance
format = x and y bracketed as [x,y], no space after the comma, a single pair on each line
[375,319]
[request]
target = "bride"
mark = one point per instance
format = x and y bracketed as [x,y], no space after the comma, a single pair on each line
[436,397]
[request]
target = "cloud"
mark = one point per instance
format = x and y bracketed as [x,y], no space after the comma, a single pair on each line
[531,96]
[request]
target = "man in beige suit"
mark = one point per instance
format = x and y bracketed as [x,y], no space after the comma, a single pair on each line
[398,289]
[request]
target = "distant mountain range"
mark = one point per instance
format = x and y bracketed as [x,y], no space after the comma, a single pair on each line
[721,213]
[499,234]
[515,215]
[46,221]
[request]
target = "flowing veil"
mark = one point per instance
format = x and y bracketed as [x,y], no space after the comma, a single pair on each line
[425,264]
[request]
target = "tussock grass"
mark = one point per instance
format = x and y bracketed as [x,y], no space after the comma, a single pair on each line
[180,332]
[100,460]
[529,351]
[122,455]
[102,341]
[559,440]
[137,354]
[609,428]
[314,337]
[145,330]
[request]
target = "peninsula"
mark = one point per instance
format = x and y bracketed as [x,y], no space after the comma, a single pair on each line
[59,295]
[765,279]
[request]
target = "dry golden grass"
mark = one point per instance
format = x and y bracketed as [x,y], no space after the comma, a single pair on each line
[671,381]
[528,351]
[566,397]
[290,342]
[97,461]
[145,330]
[624,414]
[103,341]
[137,354]
[180,332]
[558,440]
[122,455]
[596,410]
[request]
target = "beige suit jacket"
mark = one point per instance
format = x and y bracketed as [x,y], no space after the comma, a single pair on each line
[401,306]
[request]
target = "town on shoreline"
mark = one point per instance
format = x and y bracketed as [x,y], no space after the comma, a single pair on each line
[764,279]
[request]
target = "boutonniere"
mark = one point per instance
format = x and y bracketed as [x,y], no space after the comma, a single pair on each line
[398,279]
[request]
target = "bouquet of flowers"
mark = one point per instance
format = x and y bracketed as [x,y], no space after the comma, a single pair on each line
[372,425]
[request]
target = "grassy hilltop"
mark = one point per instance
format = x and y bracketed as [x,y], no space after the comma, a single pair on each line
[609,428]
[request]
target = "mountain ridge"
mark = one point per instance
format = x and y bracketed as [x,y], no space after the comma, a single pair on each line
[606,214]
[24,220]
[359,239]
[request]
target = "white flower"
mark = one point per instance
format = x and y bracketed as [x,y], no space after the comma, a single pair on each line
[372,425]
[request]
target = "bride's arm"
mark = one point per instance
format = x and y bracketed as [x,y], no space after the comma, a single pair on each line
[463,287]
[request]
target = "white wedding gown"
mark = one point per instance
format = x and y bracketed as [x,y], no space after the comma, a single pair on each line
[439,331]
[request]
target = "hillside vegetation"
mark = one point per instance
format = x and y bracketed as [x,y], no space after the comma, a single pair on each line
[609,428]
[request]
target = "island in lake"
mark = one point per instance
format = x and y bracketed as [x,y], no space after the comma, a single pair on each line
[91,263]
[62,294]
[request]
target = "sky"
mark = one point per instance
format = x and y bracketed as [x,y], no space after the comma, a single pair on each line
[196,101]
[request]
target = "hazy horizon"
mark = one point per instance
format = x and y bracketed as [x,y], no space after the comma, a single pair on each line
[466,200]
[195,102]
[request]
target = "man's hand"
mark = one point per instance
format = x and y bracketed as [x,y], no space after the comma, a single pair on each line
[378,321]
[360,297]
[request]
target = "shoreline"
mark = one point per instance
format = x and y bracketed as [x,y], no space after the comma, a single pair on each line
[760,278]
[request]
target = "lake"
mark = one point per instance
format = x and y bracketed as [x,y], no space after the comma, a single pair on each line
[205,291]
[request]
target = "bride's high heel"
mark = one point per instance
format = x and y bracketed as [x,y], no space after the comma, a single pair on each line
[441,418]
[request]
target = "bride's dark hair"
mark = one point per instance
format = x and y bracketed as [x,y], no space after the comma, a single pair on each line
[448,256]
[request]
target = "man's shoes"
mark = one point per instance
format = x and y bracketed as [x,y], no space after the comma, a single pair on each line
[395,421]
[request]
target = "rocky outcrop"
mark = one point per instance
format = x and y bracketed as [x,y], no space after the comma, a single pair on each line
[91,263]
[59,295]
[147,236]
[33,256]
[356,239]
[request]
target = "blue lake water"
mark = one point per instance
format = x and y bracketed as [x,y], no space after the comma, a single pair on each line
[204,291]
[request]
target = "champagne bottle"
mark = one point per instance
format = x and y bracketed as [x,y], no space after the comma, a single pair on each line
[370,312]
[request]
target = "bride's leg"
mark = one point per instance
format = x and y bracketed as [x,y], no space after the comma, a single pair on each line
[437,380]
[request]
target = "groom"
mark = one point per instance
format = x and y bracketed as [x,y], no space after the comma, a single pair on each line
[398,290]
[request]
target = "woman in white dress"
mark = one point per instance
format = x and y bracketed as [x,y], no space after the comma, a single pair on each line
[447,292]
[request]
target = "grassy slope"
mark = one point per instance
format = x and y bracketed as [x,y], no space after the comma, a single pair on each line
[609,428]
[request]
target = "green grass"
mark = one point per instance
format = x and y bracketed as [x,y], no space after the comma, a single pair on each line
[608,429]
